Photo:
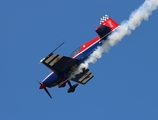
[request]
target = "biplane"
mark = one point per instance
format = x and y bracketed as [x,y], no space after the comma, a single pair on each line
[63,66]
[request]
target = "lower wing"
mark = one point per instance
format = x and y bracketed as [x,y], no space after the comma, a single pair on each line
[83,77]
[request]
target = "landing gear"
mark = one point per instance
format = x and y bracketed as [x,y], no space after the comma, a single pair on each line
[72,88]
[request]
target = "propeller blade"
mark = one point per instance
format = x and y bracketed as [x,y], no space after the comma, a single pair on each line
[39,83]
[48,92]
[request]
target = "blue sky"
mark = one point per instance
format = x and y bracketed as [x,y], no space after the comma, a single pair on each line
[125,80]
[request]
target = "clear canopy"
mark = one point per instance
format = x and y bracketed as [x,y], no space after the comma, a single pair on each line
[75,52]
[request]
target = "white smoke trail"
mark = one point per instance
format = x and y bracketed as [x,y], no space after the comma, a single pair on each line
[135,19]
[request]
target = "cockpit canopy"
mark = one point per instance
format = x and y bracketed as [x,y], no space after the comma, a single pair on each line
[75,52]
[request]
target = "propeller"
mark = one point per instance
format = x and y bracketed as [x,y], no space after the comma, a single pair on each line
[43,87]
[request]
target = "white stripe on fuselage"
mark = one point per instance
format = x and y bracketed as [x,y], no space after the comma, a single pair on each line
[48,76]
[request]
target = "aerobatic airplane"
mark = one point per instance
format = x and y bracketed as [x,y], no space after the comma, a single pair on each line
[63,66]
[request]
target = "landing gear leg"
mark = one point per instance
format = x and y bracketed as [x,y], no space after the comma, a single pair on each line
[72,88]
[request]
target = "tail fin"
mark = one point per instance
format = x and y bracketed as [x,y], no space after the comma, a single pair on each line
[107,25]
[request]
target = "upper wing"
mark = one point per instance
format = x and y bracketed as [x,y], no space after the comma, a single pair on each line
[83,77]
[59,64]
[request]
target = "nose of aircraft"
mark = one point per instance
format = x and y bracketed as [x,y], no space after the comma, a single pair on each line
[42,86]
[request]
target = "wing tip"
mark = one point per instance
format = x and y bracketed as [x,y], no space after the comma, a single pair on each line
[42,60]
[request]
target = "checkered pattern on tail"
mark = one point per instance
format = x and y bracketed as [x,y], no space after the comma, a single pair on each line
[104,18]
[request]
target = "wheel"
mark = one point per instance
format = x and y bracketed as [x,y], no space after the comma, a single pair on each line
[72,89]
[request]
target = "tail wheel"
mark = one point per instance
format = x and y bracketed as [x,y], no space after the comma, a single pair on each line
[72,88]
